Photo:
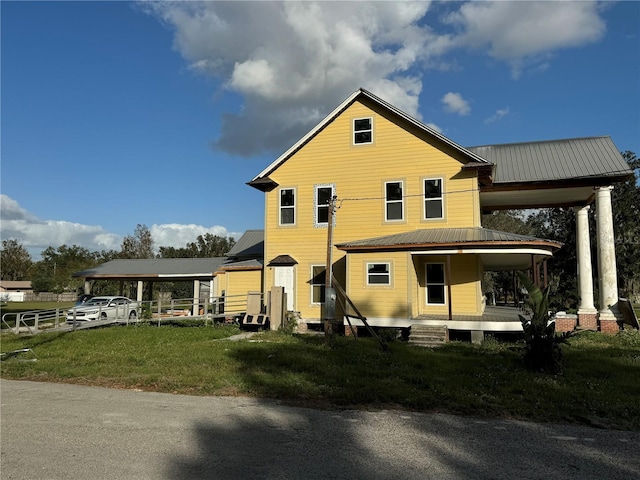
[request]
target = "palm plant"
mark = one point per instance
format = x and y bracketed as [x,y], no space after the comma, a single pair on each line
[542,351]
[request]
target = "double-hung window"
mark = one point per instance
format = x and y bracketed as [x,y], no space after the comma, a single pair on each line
[323,195]
[318,277]
[394,201]
[433,202]
[435,281]
[362,131]
[379,273]
[287,206]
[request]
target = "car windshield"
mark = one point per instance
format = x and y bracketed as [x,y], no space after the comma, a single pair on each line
[97,301]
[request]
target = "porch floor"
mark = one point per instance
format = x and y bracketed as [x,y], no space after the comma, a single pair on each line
[495,318]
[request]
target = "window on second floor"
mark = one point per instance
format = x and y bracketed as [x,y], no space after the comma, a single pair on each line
[433,202]
[287,206]
[362,131]
[394,201]
[323,194]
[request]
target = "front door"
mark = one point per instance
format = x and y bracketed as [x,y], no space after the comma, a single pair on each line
[284,277]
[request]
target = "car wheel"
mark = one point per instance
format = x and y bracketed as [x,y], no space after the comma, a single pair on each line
[103,316]
[133,315]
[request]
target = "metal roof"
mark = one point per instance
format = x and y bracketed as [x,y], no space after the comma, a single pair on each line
[569,159]
[155,267]
[250,244]
[251,264]
[437,237]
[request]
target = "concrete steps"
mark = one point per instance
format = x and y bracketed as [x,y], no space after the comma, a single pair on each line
[428,335]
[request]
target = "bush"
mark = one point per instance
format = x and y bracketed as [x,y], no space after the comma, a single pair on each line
[542,351]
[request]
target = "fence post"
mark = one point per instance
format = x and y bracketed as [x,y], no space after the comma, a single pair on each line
[159,311]
[36,322]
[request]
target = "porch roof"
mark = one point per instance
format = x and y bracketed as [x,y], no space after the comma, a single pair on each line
[438,238]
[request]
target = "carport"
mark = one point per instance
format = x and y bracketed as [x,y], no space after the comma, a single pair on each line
[154,270]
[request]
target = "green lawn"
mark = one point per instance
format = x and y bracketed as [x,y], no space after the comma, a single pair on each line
[599,385]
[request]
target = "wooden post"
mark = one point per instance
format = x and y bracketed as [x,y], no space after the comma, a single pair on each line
[329,312]
[448,280]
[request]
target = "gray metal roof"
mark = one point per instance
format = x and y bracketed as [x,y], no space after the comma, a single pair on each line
[250,264]
[155,267]
[436,237]
[250,244]
[569,159]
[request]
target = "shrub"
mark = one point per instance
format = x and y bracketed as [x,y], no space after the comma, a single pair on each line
[542,351]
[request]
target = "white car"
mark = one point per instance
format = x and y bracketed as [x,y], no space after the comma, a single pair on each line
[103,308]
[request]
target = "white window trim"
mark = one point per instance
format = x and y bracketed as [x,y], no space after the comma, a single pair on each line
[294,207]
[353,131]
[387,202]
[315,284]
[315,203]
[388,264]
[425,200]
[427,283]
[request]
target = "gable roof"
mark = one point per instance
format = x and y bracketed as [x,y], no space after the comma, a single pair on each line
[447,237]
[250,244]
[262,182]
[555,160]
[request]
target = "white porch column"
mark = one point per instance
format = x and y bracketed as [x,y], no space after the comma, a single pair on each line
[607,274]
[586,309]
[140,291]
[87,286]
[196,297]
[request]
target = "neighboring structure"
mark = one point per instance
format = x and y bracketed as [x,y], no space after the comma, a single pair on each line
[409,245]
[14,290]
[234,274]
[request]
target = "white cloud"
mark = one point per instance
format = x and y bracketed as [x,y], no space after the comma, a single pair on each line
[36,235]
[502,112]
[454,103]
[524,33]
[293,62]
[178,235]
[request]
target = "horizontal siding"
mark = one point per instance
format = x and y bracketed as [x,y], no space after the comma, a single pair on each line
[359,173]
[241,282]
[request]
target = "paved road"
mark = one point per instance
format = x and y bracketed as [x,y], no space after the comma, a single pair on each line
[68,432]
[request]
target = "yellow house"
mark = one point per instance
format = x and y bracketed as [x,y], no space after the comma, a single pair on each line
[406,240]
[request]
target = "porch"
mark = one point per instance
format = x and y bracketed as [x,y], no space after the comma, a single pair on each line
[494,319]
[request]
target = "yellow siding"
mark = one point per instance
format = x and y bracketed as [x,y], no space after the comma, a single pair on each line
[359,173]
[239,282]
[465,285]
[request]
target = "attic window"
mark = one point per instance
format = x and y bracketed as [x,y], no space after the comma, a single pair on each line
[362,131]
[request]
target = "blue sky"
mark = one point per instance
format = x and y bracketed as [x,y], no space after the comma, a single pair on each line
[116,114]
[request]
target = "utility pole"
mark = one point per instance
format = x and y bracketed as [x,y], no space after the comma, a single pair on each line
[329,292]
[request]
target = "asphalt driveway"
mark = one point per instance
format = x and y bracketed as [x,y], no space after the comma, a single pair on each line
[52,431]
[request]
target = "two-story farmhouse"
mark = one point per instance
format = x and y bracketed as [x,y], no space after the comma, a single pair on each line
[407,241]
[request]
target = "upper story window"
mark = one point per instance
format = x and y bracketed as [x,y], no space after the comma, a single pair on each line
[433,202]
[288,206]
[394,201]
[362,130]
[323,194]
[379,273]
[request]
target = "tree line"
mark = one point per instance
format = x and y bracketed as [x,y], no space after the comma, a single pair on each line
[53,272]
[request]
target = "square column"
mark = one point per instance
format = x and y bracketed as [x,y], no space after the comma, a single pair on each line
[608,314]
[587,313]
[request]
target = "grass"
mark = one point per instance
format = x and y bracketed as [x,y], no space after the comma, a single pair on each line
[599,385]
